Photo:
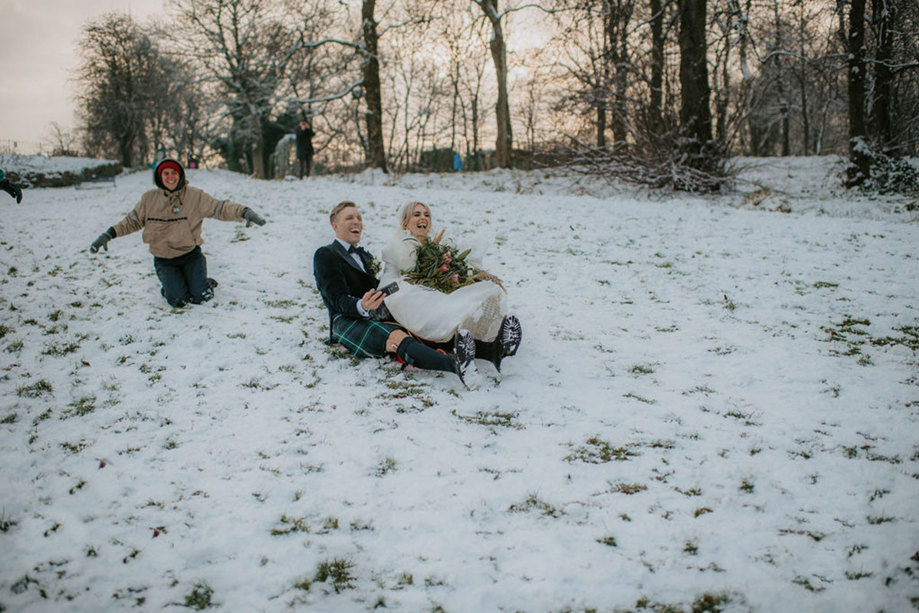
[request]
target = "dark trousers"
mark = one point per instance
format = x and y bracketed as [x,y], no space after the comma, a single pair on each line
[306,165]
[184,278]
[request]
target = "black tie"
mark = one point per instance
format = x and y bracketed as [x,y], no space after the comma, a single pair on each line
[353,249]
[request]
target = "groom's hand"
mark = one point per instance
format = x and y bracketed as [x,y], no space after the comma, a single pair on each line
[372,299]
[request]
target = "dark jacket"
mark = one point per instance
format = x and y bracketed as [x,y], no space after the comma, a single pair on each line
[305,143]
[340,280]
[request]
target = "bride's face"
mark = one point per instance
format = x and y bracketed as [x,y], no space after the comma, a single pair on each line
[420,221]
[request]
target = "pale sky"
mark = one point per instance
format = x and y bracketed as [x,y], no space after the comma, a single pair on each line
[38,58]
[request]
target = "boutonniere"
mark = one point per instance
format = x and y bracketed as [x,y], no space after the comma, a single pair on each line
[375,267]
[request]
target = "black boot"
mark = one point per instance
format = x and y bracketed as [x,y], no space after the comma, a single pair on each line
[421,356]
[489,351]
[505,344]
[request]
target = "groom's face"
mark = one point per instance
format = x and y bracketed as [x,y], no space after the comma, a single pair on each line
[349,225]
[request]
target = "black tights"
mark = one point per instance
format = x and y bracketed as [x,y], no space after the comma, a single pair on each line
[421,356]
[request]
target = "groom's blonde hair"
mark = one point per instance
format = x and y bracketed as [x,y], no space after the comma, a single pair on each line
[409,208]
[339,208]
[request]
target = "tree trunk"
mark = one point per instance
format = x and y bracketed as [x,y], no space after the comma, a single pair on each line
[601,126]
[504,142]
[723,96]
[695,112]
[617,15]
[656,113]
[376,153]
[743,36]
[258,159]
[802,83]
[780,80]
[476,165]
[125,148]
[805,118]
[884,14]
[859,157]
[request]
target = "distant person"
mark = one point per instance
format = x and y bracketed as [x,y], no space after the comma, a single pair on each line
[10,188]
[171,217]
[305,147]
[159,155]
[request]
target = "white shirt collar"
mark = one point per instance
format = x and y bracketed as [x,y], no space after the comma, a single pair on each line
[344,244]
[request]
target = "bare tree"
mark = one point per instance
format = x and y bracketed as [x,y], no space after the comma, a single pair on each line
[884,23]
[505,140]
[318,72]
[464,44]
[656,82]
[859,159]
[695,110]
[376,151]
[63,141]
[418,92]
[243,48]
[119,77]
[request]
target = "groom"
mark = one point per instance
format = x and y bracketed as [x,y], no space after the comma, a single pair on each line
[347,282]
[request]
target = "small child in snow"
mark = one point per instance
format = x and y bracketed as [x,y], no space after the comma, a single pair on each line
[171,217]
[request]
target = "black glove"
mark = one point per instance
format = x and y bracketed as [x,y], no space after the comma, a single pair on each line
[102,241]
[11,189]
[252,217]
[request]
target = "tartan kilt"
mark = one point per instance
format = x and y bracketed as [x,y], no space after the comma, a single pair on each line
[364,338]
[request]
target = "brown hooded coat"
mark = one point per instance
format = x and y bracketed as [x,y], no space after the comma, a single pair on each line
[172,221]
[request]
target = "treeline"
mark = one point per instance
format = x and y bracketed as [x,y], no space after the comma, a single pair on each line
[658,91]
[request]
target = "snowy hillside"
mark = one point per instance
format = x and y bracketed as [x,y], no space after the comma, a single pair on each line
[714,407]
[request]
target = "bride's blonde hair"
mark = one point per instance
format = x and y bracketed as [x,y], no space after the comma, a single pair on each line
[407,211]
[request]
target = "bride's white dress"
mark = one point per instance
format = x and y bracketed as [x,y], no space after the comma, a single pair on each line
[433,315]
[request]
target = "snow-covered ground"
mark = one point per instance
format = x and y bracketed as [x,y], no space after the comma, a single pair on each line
[714,407]
[23,164]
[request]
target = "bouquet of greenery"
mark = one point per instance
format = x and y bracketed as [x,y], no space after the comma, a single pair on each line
[443,267]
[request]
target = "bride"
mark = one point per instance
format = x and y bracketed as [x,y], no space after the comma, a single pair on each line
[435,316]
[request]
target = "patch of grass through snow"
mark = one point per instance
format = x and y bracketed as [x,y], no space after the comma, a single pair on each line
[336,571]
[597,451]
[533,503]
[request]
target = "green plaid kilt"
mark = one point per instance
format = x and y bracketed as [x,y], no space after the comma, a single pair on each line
[362,337]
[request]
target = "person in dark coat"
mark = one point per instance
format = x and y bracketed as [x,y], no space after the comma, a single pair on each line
[346,275]
[10,188]
[305,147]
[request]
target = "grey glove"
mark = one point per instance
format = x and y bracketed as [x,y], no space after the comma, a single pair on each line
[102,241]
[252,217]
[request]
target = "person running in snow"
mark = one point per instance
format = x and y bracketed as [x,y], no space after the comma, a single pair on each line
[171,217]
[10,188]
